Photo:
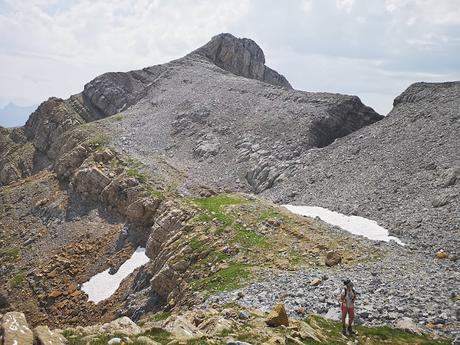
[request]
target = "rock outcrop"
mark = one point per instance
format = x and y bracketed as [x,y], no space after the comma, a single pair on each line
[241,56]
[15,329]
[278,317]
[45,336]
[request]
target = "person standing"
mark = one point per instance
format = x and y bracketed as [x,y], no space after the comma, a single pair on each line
[347,299]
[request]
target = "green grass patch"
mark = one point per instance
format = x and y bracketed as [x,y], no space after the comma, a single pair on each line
[249,238]
[99,140]
[215,205]
[18,280]
[196,244]
[270,213]
[215,258]
[200,342]
[161,336]
[153,192]
[10,254]
[133,169]
[227,279]
[134,172]
[117,117]
[162,315]
[295,258]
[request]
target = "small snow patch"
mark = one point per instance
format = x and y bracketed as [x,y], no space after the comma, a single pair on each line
[354,224]
[103,285]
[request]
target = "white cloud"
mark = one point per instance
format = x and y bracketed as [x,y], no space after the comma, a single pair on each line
[84,38]
[373,48]
[306,5]
[346,5]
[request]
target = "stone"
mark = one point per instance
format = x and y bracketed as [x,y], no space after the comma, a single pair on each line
[441,254]
[216,325]
[440,200]
[408,325]
[244,315]
[142,211]
[300,311]
[333,314]
[333,258]
[16,330]
[277,317]
[315,282]
[181,328]
[123,325]
[47,337]
[90,180]
[55,293]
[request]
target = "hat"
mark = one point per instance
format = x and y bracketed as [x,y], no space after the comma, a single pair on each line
[347,282]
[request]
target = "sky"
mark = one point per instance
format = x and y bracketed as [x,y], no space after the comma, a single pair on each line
[371,48]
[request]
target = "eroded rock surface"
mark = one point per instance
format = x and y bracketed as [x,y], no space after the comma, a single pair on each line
[15,329]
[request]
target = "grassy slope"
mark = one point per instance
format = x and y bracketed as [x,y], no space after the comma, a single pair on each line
[234,238]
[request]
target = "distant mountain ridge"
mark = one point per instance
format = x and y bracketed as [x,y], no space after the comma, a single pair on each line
[13,115]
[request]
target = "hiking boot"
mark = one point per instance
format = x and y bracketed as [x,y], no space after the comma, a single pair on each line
[350,331]
[344,331]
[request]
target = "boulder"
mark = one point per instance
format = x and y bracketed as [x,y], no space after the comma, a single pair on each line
[90,180]
[333,314]
[68,162]
[181,328]
[408,325]
[333,258]
[15,329]
[216,325]
[123,325]
[142,211]
[244,315]
[45,336]
[277,317]
[441,254]
[315,282]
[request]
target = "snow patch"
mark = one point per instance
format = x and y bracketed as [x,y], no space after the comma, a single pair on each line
[103,285]
[354,224]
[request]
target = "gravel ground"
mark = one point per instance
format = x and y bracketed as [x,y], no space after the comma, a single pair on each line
[403,284]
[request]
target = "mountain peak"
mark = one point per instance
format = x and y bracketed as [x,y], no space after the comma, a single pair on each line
[241,56]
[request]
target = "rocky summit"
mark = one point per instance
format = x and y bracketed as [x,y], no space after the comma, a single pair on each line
[186,164]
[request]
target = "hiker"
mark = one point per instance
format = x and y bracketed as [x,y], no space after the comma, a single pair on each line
[347,299]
